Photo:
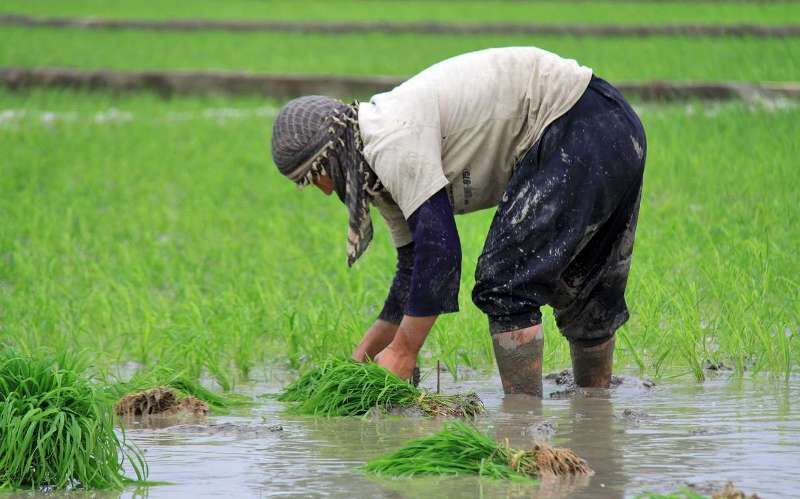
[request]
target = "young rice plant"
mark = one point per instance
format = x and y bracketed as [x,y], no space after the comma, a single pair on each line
[460,449]
[348,388]
[55,431]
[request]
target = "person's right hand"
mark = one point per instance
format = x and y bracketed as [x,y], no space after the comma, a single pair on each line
[377,337]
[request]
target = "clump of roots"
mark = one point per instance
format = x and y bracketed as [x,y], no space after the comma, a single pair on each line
[460,449]
[731,492]
[162,391]
[159,401]
[348,388]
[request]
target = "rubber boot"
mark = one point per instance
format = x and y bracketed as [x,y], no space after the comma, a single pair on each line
[519,360]
[591,365]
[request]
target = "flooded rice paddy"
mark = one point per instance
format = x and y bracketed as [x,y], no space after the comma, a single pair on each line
[636,437]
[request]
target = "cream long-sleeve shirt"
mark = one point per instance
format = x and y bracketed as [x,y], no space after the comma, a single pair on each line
[463,124]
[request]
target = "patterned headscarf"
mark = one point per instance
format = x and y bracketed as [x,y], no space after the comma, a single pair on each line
[317,135]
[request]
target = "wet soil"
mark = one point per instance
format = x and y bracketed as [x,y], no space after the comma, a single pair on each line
[228,429]
[159,402]
[569,389]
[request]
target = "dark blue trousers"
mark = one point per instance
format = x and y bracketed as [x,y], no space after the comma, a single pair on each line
[563,232]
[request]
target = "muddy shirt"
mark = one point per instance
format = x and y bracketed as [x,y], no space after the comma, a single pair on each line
[463,124]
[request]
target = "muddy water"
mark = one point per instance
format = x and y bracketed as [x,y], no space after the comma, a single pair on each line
[636,438]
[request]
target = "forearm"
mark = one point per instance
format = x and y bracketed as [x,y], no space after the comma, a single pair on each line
[412,333]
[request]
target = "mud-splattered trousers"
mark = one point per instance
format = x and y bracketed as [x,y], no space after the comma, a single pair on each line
[564,229]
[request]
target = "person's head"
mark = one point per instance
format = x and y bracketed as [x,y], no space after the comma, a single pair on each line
[303,141]
[316,140]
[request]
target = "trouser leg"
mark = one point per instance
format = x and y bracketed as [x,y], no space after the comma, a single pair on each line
[592,362]
[519,360]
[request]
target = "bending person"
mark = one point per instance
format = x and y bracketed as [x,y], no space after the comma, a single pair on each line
[557,151]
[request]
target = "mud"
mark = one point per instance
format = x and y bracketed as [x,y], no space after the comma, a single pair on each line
[633,416]
[279,86]
[159,402]
[542,432]
[228,429]
[568,389]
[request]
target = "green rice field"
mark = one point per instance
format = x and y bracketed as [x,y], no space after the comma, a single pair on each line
[616,59]
[150,244]
[159,232]
[552,11]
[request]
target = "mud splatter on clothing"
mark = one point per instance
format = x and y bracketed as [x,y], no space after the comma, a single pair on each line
[562,235]
[564,229]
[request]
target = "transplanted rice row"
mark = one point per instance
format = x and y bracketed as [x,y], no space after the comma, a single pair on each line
[460,449]
[552,11]
[614,59]
[187,271]
[348,388]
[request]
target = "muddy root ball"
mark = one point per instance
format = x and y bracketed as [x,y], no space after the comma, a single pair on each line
[159,401]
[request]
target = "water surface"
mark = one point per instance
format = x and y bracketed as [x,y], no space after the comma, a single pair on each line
[636,439]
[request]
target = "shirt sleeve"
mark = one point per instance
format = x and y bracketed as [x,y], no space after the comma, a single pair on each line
[395,304]
[437,259]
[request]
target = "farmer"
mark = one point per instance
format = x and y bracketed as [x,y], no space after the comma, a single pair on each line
[557,151]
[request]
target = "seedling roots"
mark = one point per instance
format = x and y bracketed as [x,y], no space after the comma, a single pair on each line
[460,449]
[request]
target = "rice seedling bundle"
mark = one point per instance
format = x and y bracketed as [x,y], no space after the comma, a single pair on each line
[460,449]
[348,388]
[170,390]
[56,431]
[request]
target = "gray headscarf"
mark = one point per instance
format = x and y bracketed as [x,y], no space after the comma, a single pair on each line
[317,135]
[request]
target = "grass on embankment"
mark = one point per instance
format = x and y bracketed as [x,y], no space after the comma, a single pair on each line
[610,12]
[160,232]
[616,59]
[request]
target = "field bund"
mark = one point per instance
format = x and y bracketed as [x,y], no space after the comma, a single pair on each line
[425,28]
[167,83]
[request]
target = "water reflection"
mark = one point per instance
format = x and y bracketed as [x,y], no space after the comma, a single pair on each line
[679,433]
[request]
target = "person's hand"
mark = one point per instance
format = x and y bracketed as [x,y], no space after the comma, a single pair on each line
[377,337]
[401,363]
[400,356]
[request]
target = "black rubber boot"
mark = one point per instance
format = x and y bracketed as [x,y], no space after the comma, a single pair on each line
[591,365]
[519,360]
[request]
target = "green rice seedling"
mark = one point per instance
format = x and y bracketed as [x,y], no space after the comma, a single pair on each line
[399,54]
[55,432]
[301,388]
[172,253]
[624,12]
[348,388]
[460,449]
[183,386]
